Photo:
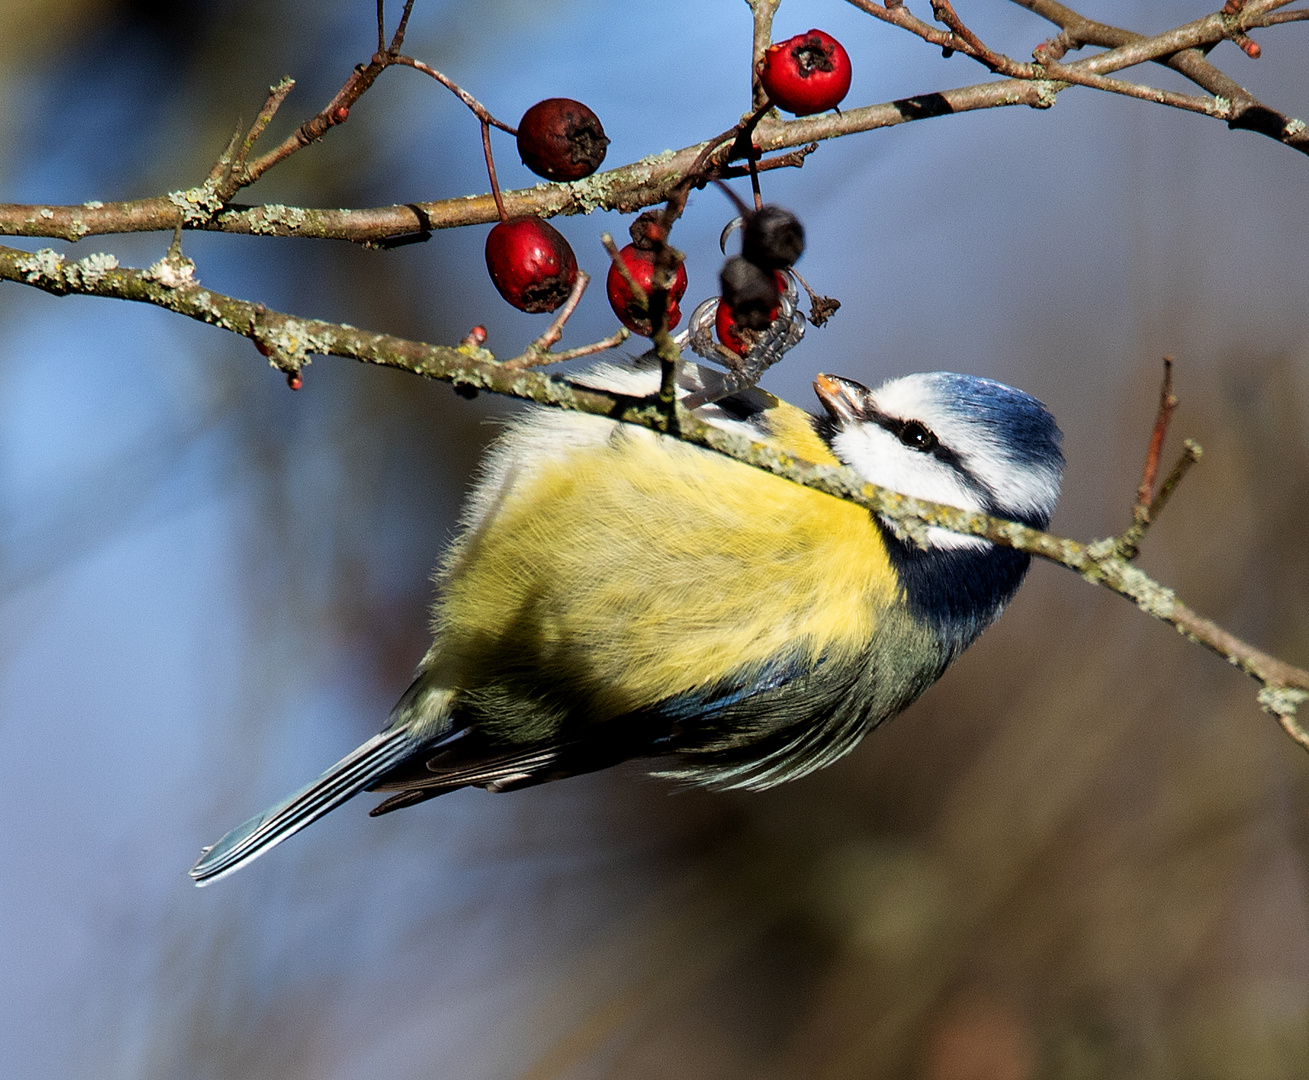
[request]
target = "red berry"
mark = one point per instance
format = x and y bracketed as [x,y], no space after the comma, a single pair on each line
[808,74]
[631,311]
[730,333]
[530,263]
[561,139]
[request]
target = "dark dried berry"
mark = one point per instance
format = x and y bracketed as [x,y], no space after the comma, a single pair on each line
[530,263]
[648,229]
[773,238]
[561,139]
[750,292]
[810,73]
[630,310]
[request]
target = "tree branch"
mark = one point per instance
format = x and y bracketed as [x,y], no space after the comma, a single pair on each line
[170,283]
[653,179]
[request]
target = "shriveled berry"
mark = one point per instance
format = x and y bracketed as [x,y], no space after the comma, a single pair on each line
[561,139]
[810,73]
[773,238]
[631,311]
[750,292]
[648,229]
[530,263]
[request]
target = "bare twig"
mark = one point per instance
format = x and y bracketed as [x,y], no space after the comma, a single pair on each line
[1148,504]
[536,360]
[1191,453]
[398,39]
[1167,403]
[1247,111]
[1135,50]
[539,351]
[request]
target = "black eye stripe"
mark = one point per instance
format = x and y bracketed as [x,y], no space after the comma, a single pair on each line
[918,436]
[914,434]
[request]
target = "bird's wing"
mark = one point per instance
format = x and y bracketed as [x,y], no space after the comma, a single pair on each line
[792,716]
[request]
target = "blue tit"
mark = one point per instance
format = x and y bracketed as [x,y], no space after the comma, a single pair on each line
[613,594]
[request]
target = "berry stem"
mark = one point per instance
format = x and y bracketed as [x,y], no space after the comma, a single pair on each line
[479,110]
[490,172]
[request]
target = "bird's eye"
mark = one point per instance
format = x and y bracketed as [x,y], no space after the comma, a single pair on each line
[917,435]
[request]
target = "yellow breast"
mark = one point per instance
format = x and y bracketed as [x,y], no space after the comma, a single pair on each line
[632,567]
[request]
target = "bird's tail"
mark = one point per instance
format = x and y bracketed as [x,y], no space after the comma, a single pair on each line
[346,778]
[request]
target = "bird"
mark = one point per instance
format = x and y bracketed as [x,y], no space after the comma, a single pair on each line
[613,593]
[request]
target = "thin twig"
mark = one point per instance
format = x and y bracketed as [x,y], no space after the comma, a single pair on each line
[1147,506]
[398,39]
[1129,543]
[1212,28]
[539,351]
[1298,15]
[1191,453]
[1167,404]
[276,95]
[527,360]
[479,110]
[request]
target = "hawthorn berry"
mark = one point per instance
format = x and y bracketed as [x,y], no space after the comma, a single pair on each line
[530,263]
[810,73]
[561,139]
[730,333]
[630,310]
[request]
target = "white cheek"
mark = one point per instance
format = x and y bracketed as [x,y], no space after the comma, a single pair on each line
[885,461]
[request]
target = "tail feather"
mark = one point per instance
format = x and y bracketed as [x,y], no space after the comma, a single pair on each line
[343,780]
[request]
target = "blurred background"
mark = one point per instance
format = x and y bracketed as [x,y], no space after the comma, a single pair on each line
[1081,855]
